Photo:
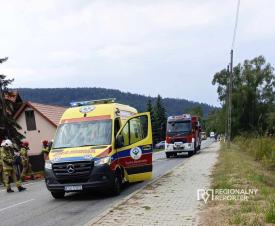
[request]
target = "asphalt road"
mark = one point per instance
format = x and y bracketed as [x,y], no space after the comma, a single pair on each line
[37,207]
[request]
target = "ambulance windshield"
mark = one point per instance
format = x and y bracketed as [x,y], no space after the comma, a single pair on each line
[177,127]
[80,134]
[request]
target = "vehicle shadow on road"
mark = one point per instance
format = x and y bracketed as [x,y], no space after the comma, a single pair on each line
[100,194]
[180,156]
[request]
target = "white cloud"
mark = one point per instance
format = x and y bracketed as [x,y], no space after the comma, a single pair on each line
[176,45]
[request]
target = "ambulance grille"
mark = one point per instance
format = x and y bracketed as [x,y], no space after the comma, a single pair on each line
[73,171]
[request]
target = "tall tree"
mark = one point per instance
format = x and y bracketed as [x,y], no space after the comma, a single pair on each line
[197,111]
[150,109]
[8,126]
[253,94]
[160,119]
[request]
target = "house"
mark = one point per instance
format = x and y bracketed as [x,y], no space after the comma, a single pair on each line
[38,122]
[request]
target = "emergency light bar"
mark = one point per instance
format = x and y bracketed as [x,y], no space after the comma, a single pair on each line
[92,102]
[178,117]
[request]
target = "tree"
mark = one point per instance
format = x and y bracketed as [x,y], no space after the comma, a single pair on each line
[197,111]
[271,122]
[8,126]
[160,119]
[150,109]
[253,94]
[216,121]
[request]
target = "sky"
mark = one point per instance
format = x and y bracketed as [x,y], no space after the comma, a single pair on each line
[167,47]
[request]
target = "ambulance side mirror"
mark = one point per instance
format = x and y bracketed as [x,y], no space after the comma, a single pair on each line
[119,141]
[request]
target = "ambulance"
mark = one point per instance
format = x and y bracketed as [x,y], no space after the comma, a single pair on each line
[99,144]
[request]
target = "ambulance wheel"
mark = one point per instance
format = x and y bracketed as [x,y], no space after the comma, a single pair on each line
[116,189]
[58,195]
[190,153]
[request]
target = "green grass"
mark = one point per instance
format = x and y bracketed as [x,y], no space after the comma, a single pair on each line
[270,213]
[146,207]
[261,149]
[238,168]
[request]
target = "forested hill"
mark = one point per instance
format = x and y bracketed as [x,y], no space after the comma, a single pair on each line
[63,97]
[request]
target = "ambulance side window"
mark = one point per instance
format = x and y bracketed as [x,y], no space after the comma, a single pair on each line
[135,130]
[138,129]
[125,134]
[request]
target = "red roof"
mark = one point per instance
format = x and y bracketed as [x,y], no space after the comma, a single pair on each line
[51,113]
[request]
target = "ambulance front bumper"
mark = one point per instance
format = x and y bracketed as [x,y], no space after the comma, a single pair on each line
[101,177]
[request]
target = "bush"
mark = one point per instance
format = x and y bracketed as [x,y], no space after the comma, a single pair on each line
[261,148]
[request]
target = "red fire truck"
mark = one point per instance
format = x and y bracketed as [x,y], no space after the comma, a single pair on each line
[182,135]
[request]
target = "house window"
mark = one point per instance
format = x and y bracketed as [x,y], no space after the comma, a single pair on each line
[30,120]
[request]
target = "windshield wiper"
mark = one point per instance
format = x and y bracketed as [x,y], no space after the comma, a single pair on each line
[85,145]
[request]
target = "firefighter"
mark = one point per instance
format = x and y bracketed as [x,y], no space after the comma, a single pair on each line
[45,149]
[27,167]
[7,157]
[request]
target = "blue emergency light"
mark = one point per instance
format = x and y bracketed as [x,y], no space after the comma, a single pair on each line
[92,102]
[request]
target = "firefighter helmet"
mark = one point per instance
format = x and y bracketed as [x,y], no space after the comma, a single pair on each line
[45,142]
[25,144]
[6,143]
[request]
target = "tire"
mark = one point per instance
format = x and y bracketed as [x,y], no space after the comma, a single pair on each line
[58,195]
[190,153]
[117,184]
[195,148]
[168,155]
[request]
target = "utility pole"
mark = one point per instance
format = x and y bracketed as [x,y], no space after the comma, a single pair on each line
[229,116]
[226,105]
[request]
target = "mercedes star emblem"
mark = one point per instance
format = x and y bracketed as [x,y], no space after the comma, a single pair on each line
[70,168]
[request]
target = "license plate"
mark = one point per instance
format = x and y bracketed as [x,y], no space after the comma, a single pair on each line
[178,143]
[73,188]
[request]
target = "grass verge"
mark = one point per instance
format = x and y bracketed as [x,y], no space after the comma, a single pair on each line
[237,169]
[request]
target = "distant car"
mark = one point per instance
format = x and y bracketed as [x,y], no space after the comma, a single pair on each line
[212,135]
[160,145]
[203,136]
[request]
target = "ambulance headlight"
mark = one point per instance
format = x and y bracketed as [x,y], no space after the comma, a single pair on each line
[102,161]
[48,165]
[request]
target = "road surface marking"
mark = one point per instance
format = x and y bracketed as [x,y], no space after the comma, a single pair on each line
[18,204]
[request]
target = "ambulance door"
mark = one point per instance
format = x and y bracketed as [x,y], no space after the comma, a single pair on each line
[134,147]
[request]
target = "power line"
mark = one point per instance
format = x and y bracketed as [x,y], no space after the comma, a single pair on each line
[236,24]
[229,102]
